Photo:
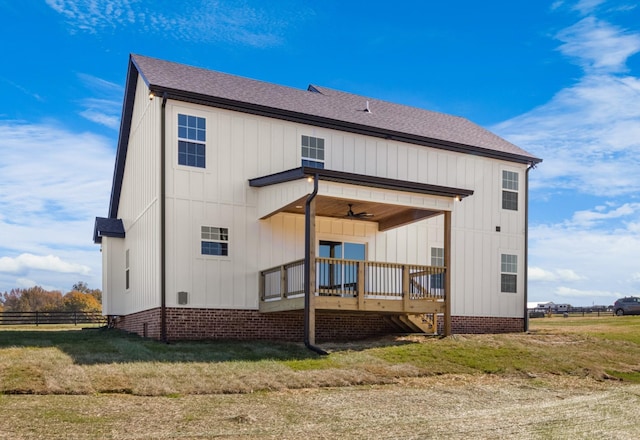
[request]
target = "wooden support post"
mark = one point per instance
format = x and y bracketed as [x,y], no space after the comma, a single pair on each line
[447,273]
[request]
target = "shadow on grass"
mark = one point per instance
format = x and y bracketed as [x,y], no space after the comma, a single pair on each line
[106,346]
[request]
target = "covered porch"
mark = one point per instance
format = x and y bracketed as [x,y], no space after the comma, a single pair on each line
[401,291]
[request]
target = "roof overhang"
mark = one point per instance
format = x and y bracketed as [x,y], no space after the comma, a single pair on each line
[397,202]
[107,227]
[359,179]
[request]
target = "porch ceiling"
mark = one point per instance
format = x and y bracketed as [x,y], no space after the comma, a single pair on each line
[388,216]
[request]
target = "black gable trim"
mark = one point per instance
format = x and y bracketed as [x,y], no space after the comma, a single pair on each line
[123,138]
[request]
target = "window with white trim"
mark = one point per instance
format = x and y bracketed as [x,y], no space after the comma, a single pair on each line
[192,138]
[312,152]
[437,259]
[214,241]
[508,273]
[126,270]
[509,190]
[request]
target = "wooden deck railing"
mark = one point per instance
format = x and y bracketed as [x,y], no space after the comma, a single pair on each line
[350,278]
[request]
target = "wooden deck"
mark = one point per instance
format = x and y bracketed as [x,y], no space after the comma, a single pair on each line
[351,285]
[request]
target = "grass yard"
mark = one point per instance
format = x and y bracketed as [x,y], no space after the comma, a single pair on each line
[568,378]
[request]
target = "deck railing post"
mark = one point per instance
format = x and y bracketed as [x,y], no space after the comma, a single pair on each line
[360,284]
[405,287]
[261,285]
[283,282]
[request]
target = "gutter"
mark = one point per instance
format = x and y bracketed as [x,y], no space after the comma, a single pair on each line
[307,267]
[163,256]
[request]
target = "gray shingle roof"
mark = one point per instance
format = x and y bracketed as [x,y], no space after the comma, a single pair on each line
[327,107]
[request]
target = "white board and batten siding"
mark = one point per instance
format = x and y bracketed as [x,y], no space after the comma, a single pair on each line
[140,213]
[240,147]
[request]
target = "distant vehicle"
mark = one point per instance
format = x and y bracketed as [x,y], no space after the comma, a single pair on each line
[629,305]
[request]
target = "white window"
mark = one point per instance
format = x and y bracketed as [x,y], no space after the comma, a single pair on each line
[510,190]
[191,141]
[215,241]
[312,152]
[126,270]
[509,273]
[437,259]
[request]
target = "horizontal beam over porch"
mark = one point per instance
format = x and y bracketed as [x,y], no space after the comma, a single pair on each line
[359,179]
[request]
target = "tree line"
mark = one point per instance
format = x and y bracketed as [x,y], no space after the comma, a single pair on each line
[36,299]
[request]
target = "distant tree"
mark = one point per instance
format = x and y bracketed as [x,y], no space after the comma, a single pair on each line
[32,299]
[83,287]
[76,301]
[10,299]
[80,286]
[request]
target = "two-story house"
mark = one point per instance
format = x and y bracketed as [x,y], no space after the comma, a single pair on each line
[248,210]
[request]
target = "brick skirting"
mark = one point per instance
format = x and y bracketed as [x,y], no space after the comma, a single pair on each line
[195,324]
[482,324]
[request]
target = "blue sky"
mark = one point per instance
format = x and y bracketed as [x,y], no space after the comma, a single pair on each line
[560,79]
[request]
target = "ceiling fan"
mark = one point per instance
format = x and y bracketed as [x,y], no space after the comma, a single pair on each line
[352,214]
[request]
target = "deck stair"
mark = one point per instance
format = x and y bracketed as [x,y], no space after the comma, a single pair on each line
[413,323]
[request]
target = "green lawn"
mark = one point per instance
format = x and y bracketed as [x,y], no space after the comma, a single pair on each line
[72,361]
[573,377]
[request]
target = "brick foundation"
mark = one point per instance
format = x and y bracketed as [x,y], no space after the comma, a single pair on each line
[482,324]
[194,324]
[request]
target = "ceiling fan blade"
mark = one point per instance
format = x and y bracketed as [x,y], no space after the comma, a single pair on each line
[352,214]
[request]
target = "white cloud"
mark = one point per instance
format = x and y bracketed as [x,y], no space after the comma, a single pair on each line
[598,46]
[54,182]
[106,109]
[23,263]
[589,133]
[204,21]
[589,218]
[539,274]
[99,117]
[591,295]
[587,6]
[564,258]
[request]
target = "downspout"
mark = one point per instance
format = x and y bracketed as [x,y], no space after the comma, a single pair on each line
[163,257]
[307,267]
[526,247]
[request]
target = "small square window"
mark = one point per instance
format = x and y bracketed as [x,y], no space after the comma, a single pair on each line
[510,200]
[215,241]
[508,283]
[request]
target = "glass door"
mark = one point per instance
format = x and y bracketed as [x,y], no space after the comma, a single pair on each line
[339,277]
